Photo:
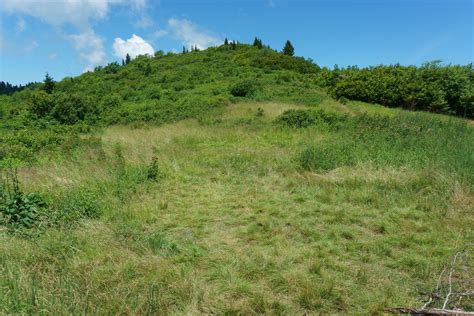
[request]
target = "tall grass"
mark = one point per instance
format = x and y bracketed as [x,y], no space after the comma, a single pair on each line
[417,140]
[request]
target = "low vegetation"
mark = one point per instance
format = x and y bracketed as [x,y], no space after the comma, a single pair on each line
[229,181]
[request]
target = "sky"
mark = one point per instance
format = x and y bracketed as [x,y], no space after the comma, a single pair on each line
[69,37]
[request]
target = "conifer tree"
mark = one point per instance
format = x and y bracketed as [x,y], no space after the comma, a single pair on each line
[48,84]
[184,50]
[258,43]
[123,62]
[226,42]
[288,49]
[128,59]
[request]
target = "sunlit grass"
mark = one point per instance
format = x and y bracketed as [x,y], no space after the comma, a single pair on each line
[235,225]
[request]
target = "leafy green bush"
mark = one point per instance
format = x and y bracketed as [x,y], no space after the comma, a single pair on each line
[243,88]
[296,118]
[18,209]
[432,87]
[154,171]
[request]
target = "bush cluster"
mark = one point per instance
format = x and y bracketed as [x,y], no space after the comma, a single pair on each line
[431,87]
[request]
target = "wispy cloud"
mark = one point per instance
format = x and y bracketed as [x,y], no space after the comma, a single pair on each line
[90,47]
[191,34]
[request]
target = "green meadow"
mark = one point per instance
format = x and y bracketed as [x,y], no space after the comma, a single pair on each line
[228,181]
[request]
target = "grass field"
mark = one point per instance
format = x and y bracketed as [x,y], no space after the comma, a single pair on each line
[239,215]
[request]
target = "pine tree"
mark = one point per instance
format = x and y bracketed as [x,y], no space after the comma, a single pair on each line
[258,43]
[226,42]
[123,62]
[288,49]
[48,84]
[184,50]
[128,59]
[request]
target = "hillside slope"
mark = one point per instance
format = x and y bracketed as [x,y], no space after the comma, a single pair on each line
[228,182]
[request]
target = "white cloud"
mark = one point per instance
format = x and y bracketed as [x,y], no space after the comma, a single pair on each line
[190,34]
[90,47]
[53,56]
[76,12]
[134,46]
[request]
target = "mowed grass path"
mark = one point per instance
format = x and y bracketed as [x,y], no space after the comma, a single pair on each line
[234,226]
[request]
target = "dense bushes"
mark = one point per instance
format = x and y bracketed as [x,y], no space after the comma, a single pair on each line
[243,88]
[63,108]
[432,87]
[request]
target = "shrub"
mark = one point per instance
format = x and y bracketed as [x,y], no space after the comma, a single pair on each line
[41,103]
[243,88]
[296,118]
[71,108]
[154,172]
[18,209]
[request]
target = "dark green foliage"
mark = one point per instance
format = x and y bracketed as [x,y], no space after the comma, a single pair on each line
[243,88]
[71,108]
[128,59]
[41,103]
[260,112]
[432,87]
[288,49]
[18,209]
[226,42]
[258,43]
[296,118]
[48,84]
[112,68]
[154,172]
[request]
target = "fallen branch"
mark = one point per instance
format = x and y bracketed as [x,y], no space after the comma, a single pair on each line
[430,311]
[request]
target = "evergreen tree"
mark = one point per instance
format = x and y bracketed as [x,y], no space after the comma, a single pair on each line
[226,42]
[123,62]
[184,50]
[128,59]
[48,84]
[258,43]
[288,49]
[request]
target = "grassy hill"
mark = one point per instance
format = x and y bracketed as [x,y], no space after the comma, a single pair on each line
[228,182]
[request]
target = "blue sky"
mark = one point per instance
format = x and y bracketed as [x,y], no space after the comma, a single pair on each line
[67,37]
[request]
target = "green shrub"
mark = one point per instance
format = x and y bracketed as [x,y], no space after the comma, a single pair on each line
[18,209]
[154,172]
[296,118]
[243,88]
[41,103]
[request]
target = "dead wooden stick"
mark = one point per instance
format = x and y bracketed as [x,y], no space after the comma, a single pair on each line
[431,311]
